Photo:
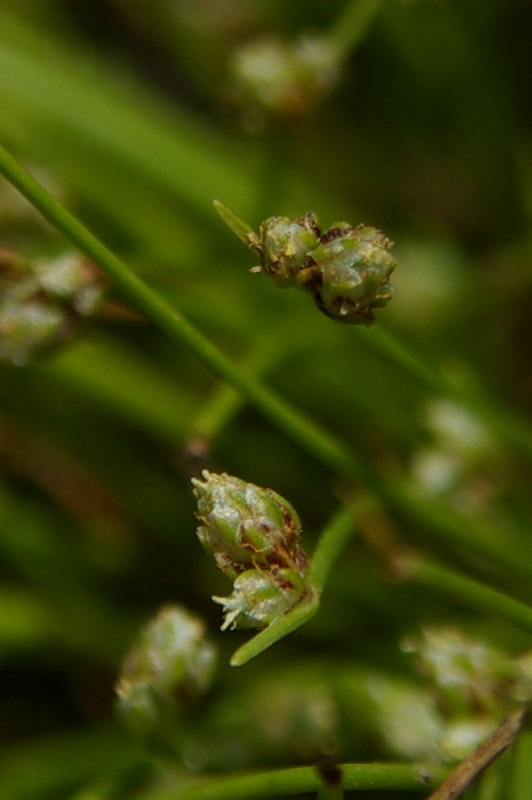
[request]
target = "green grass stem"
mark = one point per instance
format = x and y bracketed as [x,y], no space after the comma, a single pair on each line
[466,591]
[299,780]
[326,447]
[510,427]
[352,24]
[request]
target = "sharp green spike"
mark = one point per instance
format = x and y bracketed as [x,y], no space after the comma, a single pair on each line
[240,228]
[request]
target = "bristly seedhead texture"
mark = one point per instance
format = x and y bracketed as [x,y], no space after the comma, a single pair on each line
[345,270]
[355,265]
[253,534]
[284,247]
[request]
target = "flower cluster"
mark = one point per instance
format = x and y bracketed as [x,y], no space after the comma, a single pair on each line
[41,302]
[471,684]
[253,534]
[346,270]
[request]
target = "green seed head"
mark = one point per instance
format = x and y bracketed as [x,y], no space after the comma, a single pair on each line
[355,267]
[253,534]
[284,247]
[41,302]
[169,666]
[245,526]
[466,674]
[275,79]
[346,270]
[258,598]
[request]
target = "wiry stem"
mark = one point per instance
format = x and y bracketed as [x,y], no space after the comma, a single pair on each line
[465,591]
[299,780]
[351,26]
[326,447]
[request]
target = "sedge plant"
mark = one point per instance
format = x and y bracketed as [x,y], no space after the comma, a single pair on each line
[345,478]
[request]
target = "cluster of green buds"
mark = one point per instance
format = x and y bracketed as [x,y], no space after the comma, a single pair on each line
[41,302]
[253,534]
[273,78]
[346,270]
[472,685]
[170,665]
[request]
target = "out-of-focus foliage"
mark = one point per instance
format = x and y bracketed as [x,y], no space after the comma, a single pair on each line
[132,115]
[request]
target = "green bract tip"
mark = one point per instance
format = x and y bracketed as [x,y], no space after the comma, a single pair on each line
[238,226]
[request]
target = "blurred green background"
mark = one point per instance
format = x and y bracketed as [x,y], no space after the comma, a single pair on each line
[130,113]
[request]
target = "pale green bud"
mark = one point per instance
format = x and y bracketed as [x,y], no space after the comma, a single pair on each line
[355,267]
[41,302]
[245,526]
[284,246]
[462,736]
[274,78]
[467,675]
[169,666]
[402,715]
[258,598]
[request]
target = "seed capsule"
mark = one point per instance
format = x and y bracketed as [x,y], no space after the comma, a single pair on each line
[284,246]
[346,270]
[355,267]
[247,526]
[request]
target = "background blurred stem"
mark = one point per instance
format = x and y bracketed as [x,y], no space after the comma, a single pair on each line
[351,26]
[465,591]
[513,430]
[518,787]
[333,539]
[224,402]
[491,784]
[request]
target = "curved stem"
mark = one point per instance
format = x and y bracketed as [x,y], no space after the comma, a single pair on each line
[277,630]
[330,544]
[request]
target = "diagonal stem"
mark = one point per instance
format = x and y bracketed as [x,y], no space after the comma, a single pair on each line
[323,445]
